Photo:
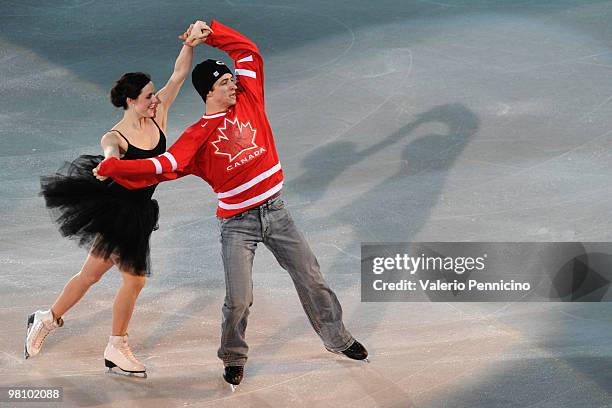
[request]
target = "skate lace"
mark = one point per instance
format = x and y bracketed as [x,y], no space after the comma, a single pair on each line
[42,333]
[127,351]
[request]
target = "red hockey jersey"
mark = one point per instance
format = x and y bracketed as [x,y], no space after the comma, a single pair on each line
[233,151]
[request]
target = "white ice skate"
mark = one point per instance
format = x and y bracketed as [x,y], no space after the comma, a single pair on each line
[118,354]
[39,325]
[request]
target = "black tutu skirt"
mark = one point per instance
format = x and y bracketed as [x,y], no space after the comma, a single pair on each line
[110,220]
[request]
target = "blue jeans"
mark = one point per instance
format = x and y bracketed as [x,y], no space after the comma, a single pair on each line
[271,224]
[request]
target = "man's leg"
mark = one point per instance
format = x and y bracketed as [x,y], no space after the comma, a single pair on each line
[293,253]
[238,243]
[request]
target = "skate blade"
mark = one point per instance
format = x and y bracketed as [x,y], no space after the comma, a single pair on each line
[233,387]
[363,360]
[126,373]
[29,324]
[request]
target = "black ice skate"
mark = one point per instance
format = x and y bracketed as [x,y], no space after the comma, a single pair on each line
[355,352]
[233,375]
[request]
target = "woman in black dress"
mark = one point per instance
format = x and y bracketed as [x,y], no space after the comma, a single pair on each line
[113,222]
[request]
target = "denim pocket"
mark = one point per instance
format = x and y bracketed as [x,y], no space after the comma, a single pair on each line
[238,216]
[277,204]
[223,221]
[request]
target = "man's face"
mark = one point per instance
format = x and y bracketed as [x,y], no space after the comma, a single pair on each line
[223,91]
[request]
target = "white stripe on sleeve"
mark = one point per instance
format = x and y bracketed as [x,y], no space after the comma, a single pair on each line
[246,72]
[171,159]
[245,59]
[158,166]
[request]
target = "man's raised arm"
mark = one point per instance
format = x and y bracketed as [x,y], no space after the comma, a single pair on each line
[247,59]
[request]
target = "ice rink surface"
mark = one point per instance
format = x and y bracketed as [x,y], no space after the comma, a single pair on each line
[474,120]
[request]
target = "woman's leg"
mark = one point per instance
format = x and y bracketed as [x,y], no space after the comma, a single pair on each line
[118,352]
[125,302]
[91,272]
[42,322]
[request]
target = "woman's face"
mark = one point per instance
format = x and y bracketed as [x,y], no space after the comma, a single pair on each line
[146,103]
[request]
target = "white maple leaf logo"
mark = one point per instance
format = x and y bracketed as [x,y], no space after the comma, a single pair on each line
[235,138]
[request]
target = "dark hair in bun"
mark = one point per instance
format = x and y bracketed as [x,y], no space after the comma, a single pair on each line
[128,86]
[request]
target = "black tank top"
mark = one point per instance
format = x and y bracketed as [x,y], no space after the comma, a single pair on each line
[134,153]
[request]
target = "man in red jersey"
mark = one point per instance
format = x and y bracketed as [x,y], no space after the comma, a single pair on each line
[232,148]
